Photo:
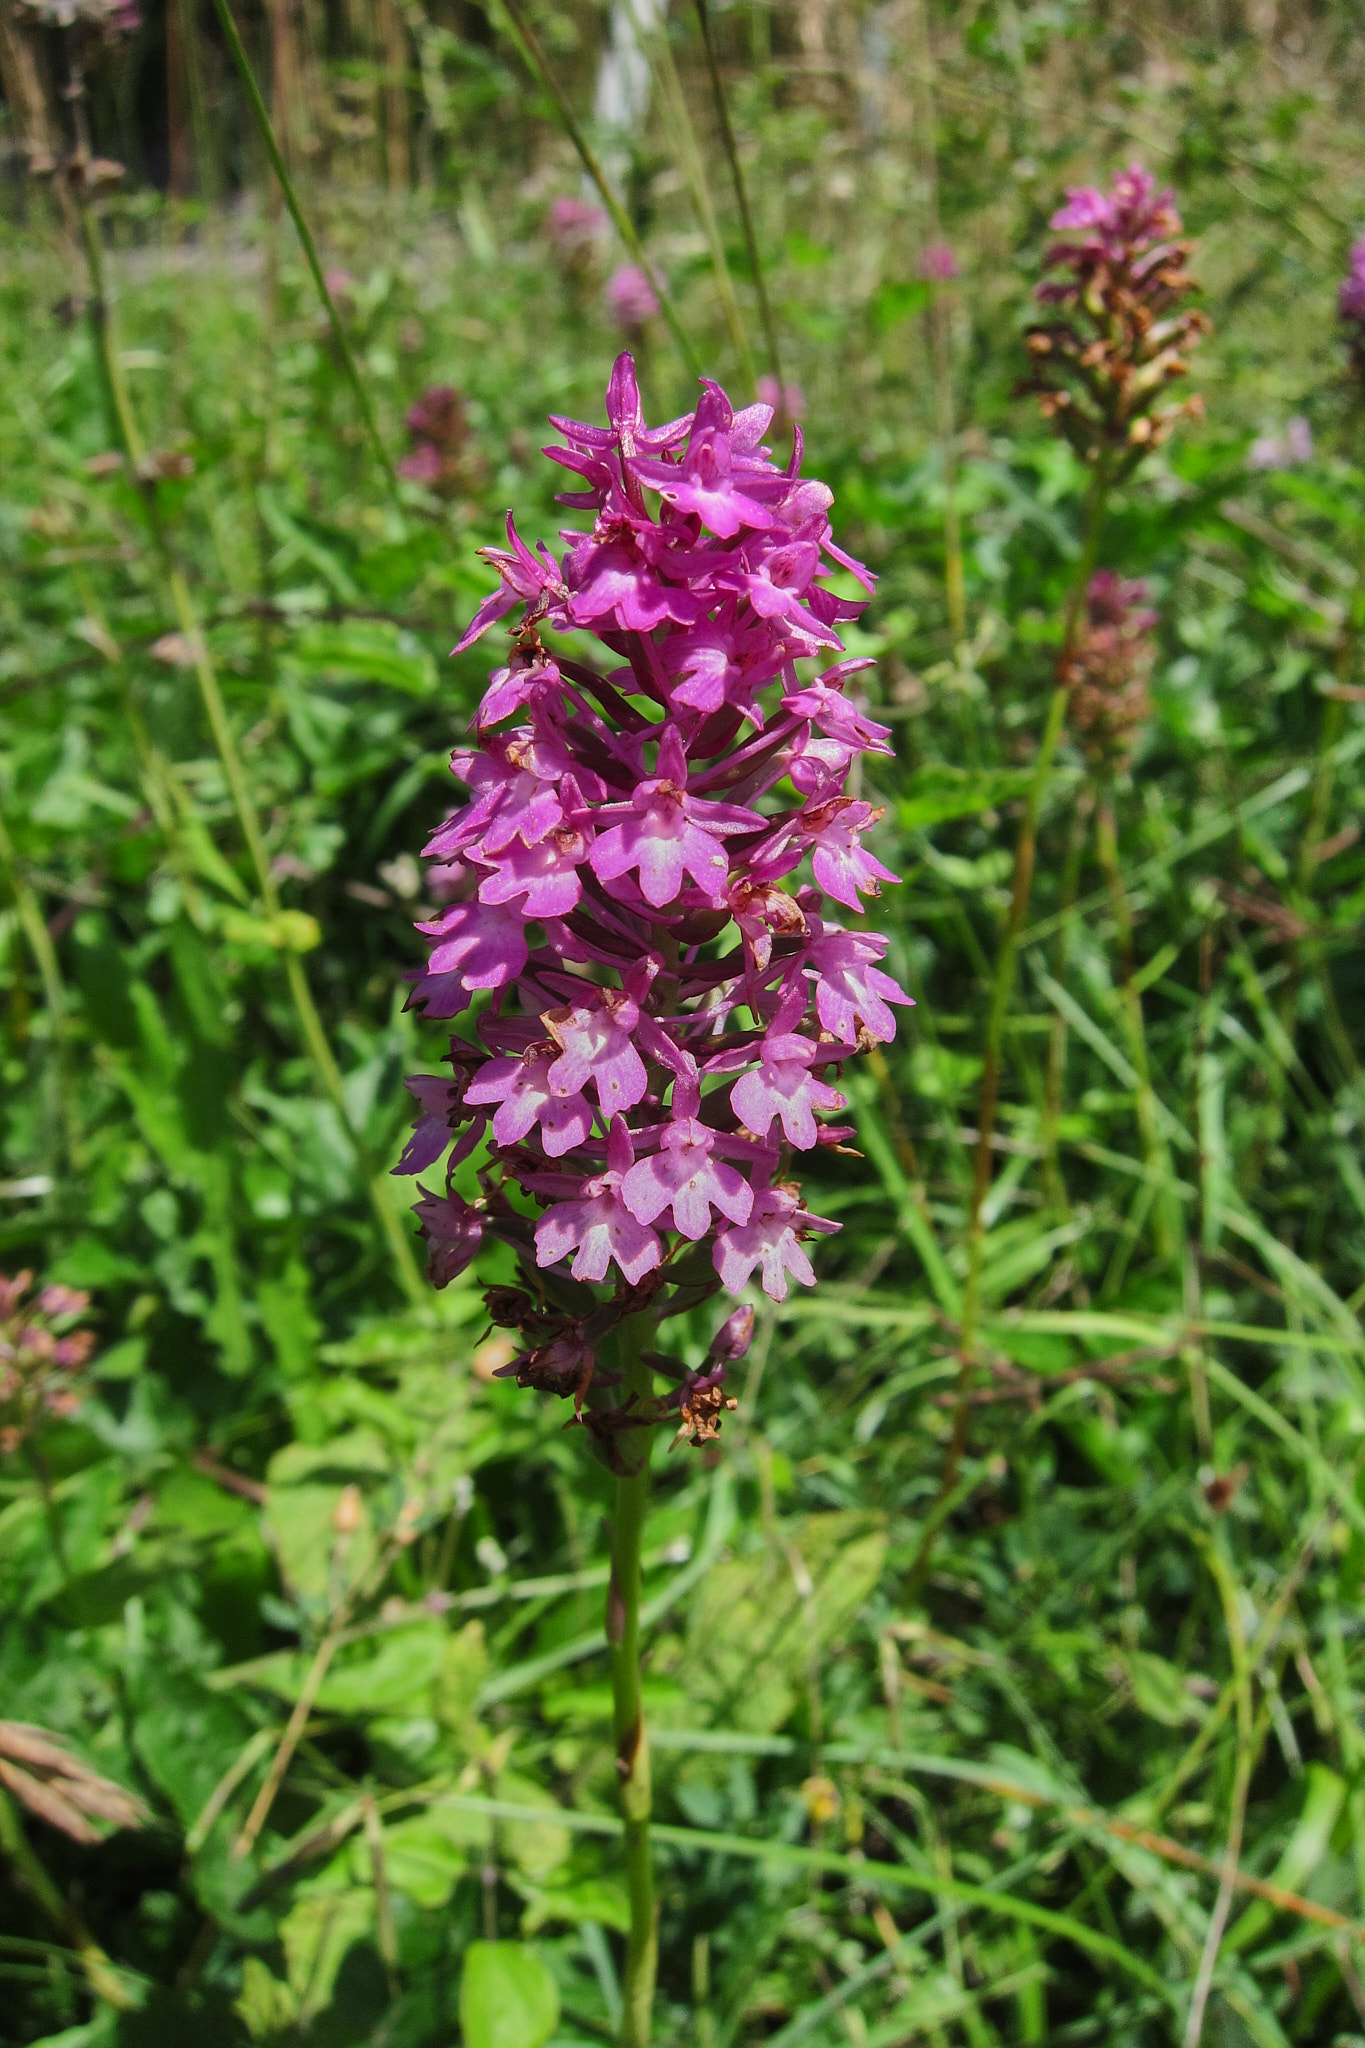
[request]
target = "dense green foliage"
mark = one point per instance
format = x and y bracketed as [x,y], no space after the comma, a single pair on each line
[965,1760]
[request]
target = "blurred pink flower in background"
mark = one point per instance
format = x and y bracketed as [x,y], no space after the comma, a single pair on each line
[630,297]
[1283,451]
[937,264]
[789,399]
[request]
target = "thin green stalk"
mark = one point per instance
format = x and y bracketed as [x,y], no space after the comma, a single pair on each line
[621,220]
[125,424]
[632,1744]
[953,576]
[688,151]
[1246,1758]
[1055,1085]
[34,927]
[727,136]
[261,115]
[1154,1152]
[33,1876]
[1002,990]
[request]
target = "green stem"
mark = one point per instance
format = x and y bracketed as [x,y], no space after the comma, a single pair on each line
[954,579]
[1002,989]
[1154,1153]
[125,424]
[727,136]
[621,220]
[32,1874]
[34,927]
[632,1745]
[261,115]
[654,40]
[1056,1050]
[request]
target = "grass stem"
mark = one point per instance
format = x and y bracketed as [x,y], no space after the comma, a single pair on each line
[731,147]
[540,65]
[265,128]
[125,425]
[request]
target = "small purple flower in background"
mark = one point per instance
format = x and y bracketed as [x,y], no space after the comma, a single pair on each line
[1288,450]
[787,399]
[575,227]
[938,264]
[667,1005]
[440,458]
[1109,667]
[631,298]
[42,1355]
[1351,306]
[1119,333]
[1351,295]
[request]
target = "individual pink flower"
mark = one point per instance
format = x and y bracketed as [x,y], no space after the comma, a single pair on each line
[600,1225]
[771,1240]
[782,1086]
[684,1177]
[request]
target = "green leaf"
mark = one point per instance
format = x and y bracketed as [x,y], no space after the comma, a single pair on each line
[508,1998]
[938,793]
[368,651]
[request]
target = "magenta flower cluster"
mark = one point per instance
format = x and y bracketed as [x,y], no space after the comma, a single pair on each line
[665,1002]
[1351,296]
[1117,330]
[1351,306]
[41,1354]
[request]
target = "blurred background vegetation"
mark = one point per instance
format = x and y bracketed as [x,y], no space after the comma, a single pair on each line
[1065,1749]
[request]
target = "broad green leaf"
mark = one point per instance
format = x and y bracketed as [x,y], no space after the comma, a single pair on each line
[508,1999]
[367,651]
[935,794]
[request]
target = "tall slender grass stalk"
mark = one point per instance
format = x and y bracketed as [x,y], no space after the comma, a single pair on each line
[683,137]
[33,925]
[1055,1084]
[33,1877]
[941,355]
[924,144]
[1001,995]
[731,147]
[540,65]
[1007,961]
[632,1742]
[124,421]
[1246,1758]
[1154,1151]
[265,129]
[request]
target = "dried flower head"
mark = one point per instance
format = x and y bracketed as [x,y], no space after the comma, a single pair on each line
[665,1003]
[1120,333]
[1109,668]
[631,298]
[42,1355]
[58,1788]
